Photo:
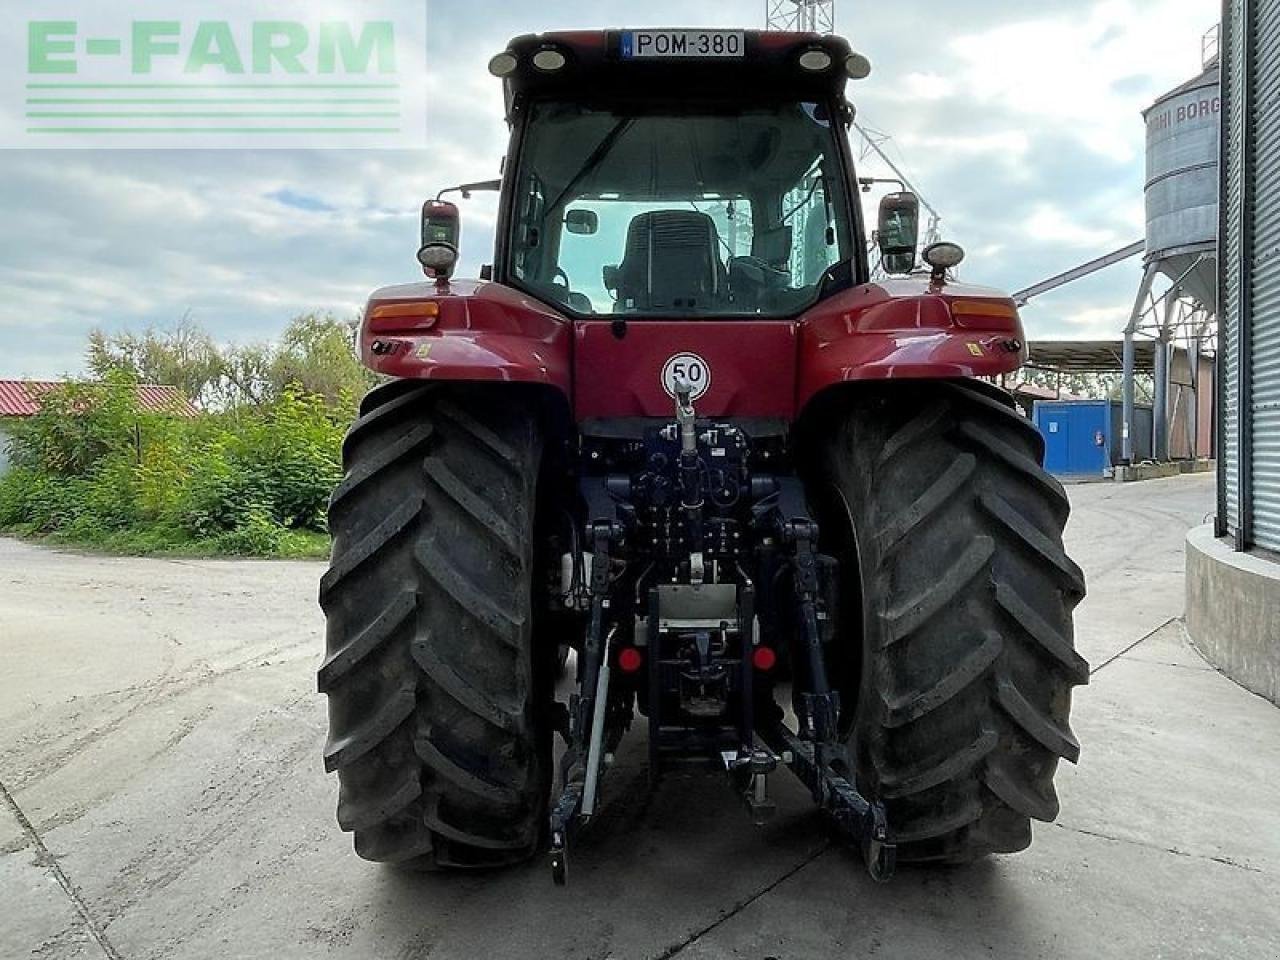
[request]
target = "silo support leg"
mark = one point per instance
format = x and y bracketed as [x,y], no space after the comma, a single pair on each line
[1126,444]
[1139,308]
[1160,404]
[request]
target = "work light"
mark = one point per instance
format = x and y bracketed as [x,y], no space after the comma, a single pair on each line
[857,66]
[815,61]
[549,60]
[943,255]
[504,64]
[438,259]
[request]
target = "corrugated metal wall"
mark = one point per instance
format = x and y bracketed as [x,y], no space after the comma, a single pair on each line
[1249,503]
[1264,356]
[1229,246]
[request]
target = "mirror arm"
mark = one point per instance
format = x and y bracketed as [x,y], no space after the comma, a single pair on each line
[466,189]
[868,182]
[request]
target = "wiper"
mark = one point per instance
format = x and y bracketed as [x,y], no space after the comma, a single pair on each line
[813,188]
[593,162]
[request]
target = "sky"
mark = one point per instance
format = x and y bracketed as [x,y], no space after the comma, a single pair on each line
[1020,122]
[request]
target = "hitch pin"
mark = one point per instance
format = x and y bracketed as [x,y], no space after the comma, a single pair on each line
[686,417]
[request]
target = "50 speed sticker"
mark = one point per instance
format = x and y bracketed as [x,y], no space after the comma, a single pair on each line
[690,368]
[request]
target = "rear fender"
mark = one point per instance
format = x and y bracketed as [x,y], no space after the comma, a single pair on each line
[466,331]
[907,329]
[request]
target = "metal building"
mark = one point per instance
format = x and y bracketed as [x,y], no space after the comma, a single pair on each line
[1249,461]
[1233,565]
[1181,251]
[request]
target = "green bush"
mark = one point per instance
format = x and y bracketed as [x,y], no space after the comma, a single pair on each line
[258,535]
[92,469]
[79,425]
[34,503]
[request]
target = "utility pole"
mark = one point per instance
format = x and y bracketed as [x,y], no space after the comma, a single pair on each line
[801,16]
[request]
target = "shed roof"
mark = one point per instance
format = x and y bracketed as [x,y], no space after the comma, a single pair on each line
[1037,392]
[21,398]
[1090,356]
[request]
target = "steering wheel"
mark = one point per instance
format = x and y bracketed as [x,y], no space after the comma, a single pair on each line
[560,274]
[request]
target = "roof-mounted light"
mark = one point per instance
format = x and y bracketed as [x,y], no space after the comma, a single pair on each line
[815,60]
[504,64]
[438,260]
[549,60]
[857,66]
[943,255]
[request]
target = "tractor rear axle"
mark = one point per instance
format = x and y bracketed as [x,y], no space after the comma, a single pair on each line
[702,635]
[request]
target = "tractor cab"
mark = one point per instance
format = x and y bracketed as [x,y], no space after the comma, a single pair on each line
[680,174]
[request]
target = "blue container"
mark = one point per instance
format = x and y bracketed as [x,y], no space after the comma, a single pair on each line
[1084,437]
[1077,436]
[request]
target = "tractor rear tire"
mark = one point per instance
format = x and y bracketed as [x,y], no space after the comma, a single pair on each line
[951,533]
[437,719]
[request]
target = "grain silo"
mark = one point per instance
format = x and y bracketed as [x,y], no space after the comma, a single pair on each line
[1181,257]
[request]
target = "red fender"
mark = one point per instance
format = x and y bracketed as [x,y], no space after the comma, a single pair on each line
[896,329]
[466,330]
[908,329]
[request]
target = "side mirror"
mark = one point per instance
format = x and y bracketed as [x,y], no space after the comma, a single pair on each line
[898,231]
[583,222]
[441,233]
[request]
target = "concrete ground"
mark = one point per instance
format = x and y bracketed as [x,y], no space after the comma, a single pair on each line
[163,797]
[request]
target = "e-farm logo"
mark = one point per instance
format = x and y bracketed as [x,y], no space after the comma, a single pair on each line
[218,73]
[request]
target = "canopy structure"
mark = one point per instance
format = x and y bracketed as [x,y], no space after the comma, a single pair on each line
[1089,356]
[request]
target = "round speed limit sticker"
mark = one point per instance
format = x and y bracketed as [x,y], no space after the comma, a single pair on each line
[688,367]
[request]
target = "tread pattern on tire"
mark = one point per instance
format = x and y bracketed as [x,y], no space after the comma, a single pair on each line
[434,727]
[969,656]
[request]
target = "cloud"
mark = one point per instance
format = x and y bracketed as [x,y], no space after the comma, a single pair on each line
[1025,132]
[1019,122]
[300,201]
[1053,224]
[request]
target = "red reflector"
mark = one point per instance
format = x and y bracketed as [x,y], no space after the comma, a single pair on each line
[764,659]
[629,660]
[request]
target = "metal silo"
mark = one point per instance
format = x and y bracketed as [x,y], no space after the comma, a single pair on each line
[1181,241]
[1182,184]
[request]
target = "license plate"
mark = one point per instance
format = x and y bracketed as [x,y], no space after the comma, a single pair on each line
[679,44]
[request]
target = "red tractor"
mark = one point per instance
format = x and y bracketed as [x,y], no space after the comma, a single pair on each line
[770,504]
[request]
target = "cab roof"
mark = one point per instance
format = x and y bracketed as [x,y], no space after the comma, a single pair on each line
[597,68]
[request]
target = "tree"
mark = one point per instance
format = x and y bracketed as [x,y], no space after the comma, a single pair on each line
[184,357]
[317,355]
[1094,386]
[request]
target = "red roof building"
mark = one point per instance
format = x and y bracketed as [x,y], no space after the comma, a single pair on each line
[21,398]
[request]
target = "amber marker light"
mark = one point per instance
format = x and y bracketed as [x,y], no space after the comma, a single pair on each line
[423,314]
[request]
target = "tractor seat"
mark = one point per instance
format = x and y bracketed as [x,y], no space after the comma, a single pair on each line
[672,263]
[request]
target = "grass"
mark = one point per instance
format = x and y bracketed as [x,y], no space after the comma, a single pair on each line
[161,542]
